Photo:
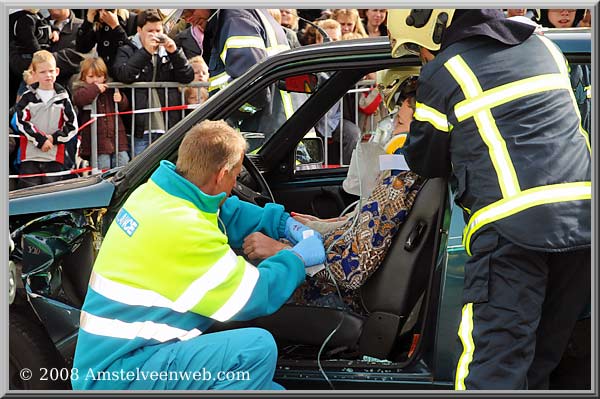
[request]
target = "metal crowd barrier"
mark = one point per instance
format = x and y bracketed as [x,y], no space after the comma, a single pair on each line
[138,86]
[361,87]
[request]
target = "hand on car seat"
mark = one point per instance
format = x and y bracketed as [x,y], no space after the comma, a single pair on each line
[311,250]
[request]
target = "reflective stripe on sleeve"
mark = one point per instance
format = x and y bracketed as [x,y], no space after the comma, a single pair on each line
[219,81]
[241,42]
[141,329]
[425,113]
[526,199]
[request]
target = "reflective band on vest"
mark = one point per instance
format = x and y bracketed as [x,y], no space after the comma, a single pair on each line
[524,200]
[425,113]
[192,295]
[273,47]
[146,329]
[509,92]
[240,297]
[507,177]
[478,104]
[288,106]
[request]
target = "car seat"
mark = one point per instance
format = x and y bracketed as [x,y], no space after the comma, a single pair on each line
[388,296]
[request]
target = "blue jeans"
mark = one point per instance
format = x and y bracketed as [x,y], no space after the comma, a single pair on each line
[140,144]
[109,161]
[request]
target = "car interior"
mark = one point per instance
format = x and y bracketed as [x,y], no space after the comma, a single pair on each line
[395,298]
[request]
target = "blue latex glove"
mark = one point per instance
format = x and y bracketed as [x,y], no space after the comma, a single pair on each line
[311,250]
[294,231]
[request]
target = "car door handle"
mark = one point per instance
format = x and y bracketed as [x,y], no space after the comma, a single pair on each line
[415,236]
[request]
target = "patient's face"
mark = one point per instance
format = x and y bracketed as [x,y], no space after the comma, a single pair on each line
[404,117]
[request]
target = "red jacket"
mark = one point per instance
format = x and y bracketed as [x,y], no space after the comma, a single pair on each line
[83,96]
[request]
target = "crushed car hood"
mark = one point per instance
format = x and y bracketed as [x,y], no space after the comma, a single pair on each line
[80,193]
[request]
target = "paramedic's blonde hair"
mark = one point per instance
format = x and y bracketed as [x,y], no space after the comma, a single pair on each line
[40,57]
[206,148]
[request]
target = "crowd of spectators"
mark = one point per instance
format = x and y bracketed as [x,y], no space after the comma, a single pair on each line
[93,47]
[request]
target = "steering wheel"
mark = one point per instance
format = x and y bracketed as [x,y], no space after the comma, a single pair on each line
[251,186]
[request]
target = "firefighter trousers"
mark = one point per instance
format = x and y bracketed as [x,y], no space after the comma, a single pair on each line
[519,309]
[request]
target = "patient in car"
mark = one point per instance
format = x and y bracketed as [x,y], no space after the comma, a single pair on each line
[357,243]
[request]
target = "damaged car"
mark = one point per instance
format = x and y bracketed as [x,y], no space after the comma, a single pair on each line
[407,337]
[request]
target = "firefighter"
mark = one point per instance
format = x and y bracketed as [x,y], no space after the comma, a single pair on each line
[235,40]
[496,113]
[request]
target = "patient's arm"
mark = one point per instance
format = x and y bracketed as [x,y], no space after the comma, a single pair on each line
[259,246]
[305,219]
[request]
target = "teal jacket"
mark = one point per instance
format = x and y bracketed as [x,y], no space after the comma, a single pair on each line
[166,272]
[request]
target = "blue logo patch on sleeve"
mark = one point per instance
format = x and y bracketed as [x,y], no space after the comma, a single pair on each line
[126,222]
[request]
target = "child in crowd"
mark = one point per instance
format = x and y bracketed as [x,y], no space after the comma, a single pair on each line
[197,95]
[92,85]
[46,121]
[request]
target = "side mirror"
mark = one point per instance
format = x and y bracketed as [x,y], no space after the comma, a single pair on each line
[309,154]
[305,83]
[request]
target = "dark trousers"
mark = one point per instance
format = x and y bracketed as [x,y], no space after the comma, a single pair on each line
[35,167]
[520,308]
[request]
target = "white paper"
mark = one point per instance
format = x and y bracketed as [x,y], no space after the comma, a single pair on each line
[312,270]
[392,161]
[307,233]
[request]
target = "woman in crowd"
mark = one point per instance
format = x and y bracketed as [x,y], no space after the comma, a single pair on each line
[107,29]
[349,20]
[374,22]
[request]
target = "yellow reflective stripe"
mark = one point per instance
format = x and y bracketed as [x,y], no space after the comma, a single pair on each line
[465,332]
[241,42]
[425,113]
[147,329]
[123,293]
[219,81]
[588,91]
[509,92]
[562,67]
[241,295]
[529,198]
[271,36]
[488,130]
[288,106]
[211,279]
[277,49]
[218,78]
[273,47]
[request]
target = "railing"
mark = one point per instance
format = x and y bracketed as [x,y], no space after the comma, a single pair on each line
[361,87]
[149,86]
